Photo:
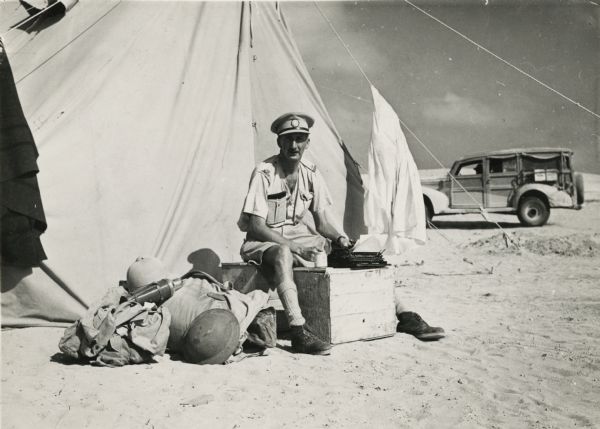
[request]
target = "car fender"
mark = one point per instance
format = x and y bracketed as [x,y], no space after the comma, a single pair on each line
[556,197]
[439,200]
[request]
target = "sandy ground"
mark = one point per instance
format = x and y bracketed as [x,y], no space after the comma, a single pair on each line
[523,350]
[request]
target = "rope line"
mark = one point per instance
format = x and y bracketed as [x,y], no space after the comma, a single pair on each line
[482,211]
[578,104]
[356,97]
[342,42]
[486,269]
[30,18]
[17,82]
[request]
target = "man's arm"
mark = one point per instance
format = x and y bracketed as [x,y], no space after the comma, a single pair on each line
[259,230]
[322,211]
[328,227]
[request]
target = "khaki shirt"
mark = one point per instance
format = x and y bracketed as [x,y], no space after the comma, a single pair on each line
[270,198]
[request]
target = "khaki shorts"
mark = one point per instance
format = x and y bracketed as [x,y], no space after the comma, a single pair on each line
[252,250]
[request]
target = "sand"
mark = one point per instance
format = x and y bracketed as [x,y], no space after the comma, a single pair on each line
[522,350]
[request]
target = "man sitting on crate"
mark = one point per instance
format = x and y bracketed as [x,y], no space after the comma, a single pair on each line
[282,189]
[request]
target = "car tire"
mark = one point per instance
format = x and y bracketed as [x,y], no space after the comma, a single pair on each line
[533,211]
[428,214]
[579,188]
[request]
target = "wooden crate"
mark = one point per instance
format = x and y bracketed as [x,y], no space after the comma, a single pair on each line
[341,305]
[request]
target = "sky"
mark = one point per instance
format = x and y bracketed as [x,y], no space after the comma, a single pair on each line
[455,97]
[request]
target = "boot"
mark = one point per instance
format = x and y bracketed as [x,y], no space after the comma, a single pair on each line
[304,341]
[411,323]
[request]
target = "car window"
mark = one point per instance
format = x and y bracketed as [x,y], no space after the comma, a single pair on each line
[472,168]
[532,163]
[503,165]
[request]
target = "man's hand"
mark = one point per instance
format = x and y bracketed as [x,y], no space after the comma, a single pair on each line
[328,226]
[345,242]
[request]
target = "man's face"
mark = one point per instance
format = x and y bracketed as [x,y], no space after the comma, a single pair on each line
[293,145]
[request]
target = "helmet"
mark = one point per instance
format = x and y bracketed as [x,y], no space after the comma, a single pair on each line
[145,270]
[212,337]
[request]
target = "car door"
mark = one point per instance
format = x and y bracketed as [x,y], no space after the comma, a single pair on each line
[500,180]
[467,190]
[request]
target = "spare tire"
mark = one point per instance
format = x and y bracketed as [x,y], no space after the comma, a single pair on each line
[579,188]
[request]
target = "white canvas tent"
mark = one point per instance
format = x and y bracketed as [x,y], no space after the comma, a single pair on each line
[149,117]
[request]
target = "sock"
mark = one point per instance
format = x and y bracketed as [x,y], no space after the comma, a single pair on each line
[288,294]
[397,302]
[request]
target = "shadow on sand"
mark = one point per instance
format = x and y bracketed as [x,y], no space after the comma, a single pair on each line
[67,360]
[479,224]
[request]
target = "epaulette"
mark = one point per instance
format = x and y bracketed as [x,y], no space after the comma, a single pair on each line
[267,169]
[311,166]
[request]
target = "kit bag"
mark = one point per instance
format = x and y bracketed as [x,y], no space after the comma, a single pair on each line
[116,334]
[262,331]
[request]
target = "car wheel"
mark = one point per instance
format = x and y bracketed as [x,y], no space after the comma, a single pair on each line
[428,214]
[579,188]
[533,211]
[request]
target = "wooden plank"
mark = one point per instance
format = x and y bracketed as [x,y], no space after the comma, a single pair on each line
[313,297]
[346,281]
[358,281]
[314,290]
[343,286]
[377,288]
[362,327]
[361,303]
[319,321]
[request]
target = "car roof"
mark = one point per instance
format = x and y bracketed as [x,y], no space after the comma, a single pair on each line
[530,150]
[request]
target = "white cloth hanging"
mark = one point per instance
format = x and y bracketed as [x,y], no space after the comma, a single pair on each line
[394,209]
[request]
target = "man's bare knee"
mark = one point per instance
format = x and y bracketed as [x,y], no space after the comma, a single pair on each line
[279,257]
[277,266]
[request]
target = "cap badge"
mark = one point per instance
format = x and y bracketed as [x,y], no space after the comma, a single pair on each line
[295,123]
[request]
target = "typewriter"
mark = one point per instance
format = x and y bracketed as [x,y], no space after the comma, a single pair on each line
[346,258]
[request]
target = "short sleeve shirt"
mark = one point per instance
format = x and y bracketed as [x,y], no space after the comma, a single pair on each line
[270,198]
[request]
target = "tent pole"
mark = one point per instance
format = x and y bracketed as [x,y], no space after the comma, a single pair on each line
[46,269]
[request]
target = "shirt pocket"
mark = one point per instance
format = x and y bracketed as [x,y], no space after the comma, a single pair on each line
[305,201]
[277,204]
